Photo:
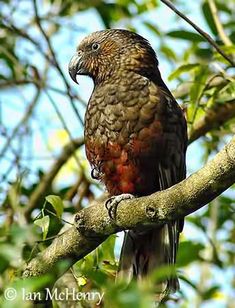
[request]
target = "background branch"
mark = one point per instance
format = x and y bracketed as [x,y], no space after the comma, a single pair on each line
[56,64]
[22,122]
[214,117]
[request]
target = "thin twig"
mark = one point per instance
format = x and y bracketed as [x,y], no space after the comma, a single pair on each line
[71,193]
[56,64]
[23,120]
[60,219]
[199,30]
[14,30]
[22,82]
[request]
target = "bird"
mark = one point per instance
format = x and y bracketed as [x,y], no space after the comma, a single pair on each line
[135,140]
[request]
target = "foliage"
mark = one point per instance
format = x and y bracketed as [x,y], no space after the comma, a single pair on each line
[38,102]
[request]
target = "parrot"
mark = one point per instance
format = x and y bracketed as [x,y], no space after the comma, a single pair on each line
[135,140]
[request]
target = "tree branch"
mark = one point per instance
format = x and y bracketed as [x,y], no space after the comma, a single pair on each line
[93,225]
[214,117]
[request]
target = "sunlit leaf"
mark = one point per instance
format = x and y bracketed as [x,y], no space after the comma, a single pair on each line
[227,93]
[81,281]
[57,204]
[43,223]
[182,69]
[210,293]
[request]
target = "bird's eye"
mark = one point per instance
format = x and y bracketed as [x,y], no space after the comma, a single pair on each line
[95,46]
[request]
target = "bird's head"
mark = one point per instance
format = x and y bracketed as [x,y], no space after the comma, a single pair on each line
[104,53]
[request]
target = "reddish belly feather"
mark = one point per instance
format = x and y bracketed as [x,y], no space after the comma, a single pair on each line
[124,171]
[129,166]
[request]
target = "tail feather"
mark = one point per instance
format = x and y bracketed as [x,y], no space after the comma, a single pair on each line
[143,253]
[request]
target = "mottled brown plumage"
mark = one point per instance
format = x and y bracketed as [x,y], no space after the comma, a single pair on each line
[135,137]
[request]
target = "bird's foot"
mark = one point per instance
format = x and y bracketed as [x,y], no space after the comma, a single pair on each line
[112,203]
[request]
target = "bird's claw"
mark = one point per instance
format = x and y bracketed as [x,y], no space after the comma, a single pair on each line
[112,203]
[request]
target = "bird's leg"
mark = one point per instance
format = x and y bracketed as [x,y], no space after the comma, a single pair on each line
[112,203]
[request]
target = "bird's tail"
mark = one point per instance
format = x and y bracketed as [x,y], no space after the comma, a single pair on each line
[143,253]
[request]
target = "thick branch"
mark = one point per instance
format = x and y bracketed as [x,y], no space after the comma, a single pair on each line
[214,117]
[93,225]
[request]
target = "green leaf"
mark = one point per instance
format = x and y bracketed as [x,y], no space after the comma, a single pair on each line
[106,249]
[57,204]
[182,69]
[4,263]
[161,273]
[227,93]
[231,36]
[198,85]
[97,276]
[223,6]
[209,293]
[188,253]
[209,17]
[186,35]
[204,53]
[152,27]
[229,50]
[188,281]
[43,223]
[168,52]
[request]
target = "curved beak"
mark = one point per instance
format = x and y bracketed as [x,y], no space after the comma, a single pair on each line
[76,67]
